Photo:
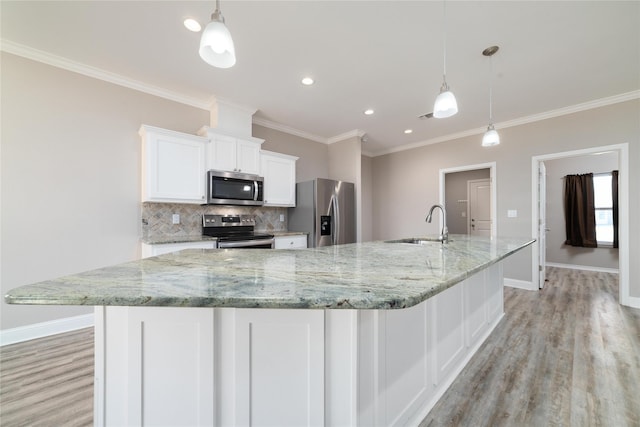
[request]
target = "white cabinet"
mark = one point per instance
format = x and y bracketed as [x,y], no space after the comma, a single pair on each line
[291,242]
[173,166]
[279,172]
[284,347]
[230,153]
[154,367]
[165,248]
[252,366]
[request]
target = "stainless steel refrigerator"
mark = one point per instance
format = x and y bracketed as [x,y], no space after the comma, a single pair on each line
[326,210]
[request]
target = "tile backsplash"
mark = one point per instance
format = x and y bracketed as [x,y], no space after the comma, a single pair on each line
[157,218]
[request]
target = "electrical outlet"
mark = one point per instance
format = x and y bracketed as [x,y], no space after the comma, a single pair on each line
[512,213]
[175,218]
[281,217]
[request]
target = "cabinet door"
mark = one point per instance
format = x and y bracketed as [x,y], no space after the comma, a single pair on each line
[279,173]
[170,373]
[247,156]
[173,166]
[279,350]
[291,242]
[222,153]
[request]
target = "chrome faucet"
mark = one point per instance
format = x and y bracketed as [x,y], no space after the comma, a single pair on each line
[444,235]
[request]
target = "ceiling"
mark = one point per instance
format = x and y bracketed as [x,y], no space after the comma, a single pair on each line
[384,55]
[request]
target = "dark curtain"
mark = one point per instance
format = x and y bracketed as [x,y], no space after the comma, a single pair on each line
[614,193]
[579,212]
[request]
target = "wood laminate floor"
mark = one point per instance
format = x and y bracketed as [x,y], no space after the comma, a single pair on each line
[48,381]
[568,355]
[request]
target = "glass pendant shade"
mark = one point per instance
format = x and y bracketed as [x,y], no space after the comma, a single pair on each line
[446,104]
[216,45]
[490,137]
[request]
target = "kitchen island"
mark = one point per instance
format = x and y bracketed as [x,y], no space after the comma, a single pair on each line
[359,334]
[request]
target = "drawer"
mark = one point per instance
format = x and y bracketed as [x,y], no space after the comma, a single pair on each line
[291,242]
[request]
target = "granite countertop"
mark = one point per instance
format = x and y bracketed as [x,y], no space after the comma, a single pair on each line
[199,238]
[373,275]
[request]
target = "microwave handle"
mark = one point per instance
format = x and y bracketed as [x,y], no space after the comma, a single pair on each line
[255,190]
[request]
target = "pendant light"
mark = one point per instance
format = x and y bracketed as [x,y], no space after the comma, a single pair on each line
[445,105]
[491,136]
[216,45]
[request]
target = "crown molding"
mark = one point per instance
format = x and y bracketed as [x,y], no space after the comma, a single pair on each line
[351,134]
[206,104]
[288,129]
[244,108]
[76,67]
[602,102]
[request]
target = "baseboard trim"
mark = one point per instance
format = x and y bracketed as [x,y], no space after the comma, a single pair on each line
[45,329]
[583,267]
[629,301]
[520,284]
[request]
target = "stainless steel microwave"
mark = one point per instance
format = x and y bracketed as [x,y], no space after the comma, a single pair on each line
[233,188]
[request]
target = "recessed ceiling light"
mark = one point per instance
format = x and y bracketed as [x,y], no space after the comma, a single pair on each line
[368,112]
[192,25]
[307,81]
[408,131]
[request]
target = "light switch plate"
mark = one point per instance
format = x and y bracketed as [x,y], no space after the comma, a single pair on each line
[512,213]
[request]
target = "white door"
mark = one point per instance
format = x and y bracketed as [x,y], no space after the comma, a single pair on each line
[542,222]
[479,197]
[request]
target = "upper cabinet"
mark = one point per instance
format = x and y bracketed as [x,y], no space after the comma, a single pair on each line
[230,153]
[173,166]
[279,172]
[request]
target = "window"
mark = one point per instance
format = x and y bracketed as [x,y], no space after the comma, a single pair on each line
[603,203]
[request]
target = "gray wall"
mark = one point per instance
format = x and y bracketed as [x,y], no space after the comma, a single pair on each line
[557,251]
[392,197]
[313,156]
[71,175]
[455,190]
[367,202]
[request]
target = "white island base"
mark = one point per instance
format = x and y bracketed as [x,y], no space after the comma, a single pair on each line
[289,367]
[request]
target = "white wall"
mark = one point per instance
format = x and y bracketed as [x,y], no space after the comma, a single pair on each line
[396,176]
[557,251]
[70,187]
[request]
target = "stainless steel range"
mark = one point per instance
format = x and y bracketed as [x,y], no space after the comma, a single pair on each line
[235,231]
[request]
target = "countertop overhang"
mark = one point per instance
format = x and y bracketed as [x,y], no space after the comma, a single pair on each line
[372,275]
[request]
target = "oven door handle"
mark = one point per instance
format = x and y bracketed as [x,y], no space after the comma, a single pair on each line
[245,243]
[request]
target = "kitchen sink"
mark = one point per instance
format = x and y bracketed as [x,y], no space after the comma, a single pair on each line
[418,240]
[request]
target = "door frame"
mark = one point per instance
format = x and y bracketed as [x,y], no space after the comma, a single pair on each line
[623,225]
[492,177]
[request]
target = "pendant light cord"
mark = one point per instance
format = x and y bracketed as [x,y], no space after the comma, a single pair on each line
[444,40]
[490,90]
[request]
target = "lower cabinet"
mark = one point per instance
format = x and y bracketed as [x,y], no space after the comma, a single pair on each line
[291,242]
[288,367]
